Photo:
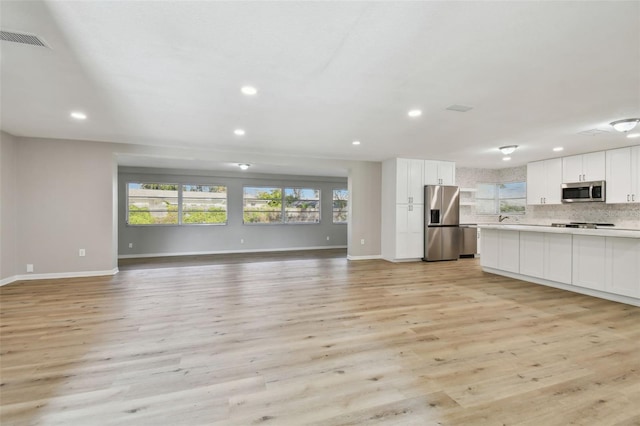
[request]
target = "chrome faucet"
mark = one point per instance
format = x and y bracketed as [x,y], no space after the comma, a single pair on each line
[501,218]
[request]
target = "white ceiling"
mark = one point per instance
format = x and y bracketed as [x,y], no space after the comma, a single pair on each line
[169,73]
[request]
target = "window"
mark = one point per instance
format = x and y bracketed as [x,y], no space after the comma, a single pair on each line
[340,203]
[512,197]
[281,205]
[204,204]
[262,205]
[501,198]
[152,204]
[174,204]
[302,205]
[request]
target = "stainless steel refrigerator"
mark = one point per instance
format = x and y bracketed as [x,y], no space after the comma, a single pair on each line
[442,222]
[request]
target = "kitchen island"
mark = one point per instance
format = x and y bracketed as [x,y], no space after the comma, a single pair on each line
[598,262]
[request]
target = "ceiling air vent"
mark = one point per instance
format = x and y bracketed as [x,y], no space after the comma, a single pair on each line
[21,38]
[593,132]
[459,108]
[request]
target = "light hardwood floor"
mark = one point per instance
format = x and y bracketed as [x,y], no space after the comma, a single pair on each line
[314,340]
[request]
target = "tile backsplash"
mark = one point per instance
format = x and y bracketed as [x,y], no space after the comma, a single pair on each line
[621,215]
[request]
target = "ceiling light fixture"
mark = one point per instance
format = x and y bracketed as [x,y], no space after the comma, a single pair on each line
[78,115]
[355,143]
[633,135]
[625,125]
[508,149]
[558,148]
[415,113]
[249,90]
[244,166]
[239,132]
[506,158]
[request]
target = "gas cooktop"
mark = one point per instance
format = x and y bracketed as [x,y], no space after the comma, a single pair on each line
[583,225]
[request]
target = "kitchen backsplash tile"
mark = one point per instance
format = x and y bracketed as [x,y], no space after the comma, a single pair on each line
[621,215]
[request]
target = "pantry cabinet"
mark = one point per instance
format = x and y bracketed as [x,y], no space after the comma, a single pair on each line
[409,177]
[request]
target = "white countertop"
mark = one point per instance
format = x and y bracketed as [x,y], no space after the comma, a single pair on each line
[601,232]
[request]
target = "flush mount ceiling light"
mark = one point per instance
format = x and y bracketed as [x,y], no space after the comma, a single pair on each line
[77,115]
[625,125]
[249,90]
[508,149]
[239,132]
[244,166]
[415,113]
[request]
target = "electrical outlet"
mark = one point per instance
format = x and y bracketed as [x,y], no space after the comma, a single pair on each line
[82,253]
[29,267]
[130,245]
[362,241]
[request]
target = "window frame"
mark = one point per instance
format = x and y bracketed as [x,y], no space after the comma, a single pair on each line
[226,203]
[283,212]
[333,221]
[180,197]
[497,199]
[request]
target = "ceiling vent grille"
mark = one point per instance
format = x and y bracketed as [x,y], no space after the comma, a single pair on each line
[21,38]
[459,108]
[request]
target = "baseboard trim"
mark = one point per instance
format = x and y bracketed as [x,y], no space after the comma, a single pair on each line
[371,257]
[58,275]
[199,253]
[8,280]
[568,287]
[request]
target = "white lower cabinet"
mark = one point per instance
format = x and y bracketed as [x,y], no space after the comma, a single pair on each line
[546,256]
[589,253]
[598,265]
[500,250]
[622,266]
[409,231]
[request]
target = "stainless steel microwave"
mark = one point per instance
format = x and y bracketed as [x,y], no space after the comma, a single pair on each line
[583,192]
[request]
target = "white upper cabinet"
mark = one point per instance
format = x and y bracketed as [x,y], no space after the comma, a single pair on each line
[623,175]
[544,179]
[439,172]
[584,167]
[409,176]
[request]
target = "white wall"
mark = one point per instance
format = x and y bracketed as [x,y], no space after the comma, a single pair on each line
[8,212]
[65,202]
[365,189]
[65,198]
[193,239]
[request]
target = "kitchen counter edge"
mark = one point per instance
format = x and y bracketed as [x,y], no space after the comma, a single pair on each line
[600,232]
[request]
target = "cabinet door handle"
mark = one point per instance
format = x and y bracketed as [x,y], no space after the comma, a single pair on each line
[628,198]
[410,208]
[410,200]
[633,197]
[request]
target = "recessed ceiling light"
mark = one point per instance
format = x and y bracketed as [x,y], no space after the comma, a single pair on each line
[355,143]
[244,166]
[633,135]
[506,158]
[558,148]
[249,90]
[239,132]
[415,113]
[78,115]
